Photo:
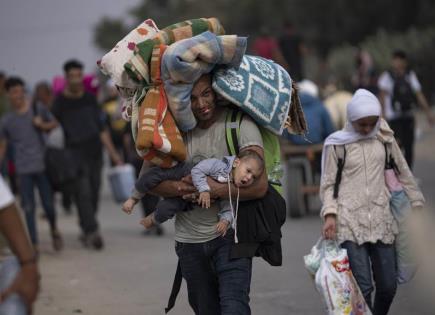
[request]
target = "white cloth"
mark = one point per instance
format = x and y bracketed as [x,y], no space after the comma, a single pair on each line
[6,197]
[363,104]
[112,63]
[386,84]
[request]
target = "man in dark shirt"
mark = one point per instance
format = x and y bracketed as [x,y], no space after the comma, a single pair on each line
[83,124]
[293,49]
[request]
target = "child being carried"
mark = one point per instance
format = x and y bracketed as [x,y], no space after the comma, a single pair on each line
[242,171]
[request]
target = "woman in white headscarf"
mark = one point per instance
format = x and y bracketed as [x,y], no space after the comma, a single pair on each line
[356,209]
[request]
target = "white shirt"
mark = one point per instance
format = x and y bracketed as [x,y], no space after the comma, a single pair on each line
[6,197]
[386,84]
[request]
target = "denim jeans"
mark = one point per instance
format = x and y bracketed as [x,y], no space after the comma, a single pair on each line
[27,185]
[380,259]
[215,284]
[86,193]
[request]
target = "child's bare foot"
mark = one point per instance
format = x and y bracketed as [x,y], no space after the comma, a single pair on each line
[148,221]
[222,227]
[128,205]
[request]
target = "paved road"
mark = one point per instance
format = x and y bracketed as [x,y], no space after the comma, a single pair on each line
[133,275]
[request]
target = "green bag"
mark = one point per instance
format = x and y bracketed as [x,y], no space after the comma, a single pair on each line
[272,149]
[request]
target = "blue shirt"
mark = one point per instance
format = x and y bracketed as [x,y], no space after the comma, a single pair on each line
[318,120]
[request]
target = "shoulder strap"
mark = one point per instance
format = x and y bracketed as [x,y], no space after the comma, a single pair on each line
[341,159]
[390,163]
[232,130]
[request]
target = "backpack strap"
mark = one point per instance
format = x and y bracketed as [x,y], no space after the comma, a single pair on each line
[390,163]
[232,130]
[341,159]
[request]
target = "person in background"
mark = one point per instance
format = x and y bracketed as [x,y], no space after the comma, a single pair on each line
[399,91]
[44,96]
[293,50]
[24,128]
[115,123]
[26,283]
[335,102]
[83,125]
[266,46]
[7,167]
[4,106]
[317,116]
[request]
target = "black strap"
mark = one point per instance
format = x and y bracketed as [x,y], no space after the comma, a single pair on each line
[175,288]
[390,163]
[340,166]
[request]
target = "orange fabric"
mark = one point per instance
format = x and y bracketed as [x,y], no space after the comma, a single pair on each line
[157,130]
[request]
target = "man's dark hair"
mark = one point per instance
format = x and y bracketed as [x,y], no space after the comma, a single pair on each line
[400,54]
[72,64]
[251,154]
[12,82]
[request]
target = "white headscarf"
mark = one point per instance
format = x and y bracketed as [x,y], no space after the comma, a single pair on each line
[363,104]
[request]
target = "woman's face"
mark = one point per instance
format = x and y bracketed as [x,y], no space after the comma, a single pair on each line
[365,125]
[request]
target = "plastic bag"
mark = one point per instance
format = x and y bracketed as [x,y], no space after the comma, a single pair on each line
[14,304]
[336,284]
[406,262]
[121,179]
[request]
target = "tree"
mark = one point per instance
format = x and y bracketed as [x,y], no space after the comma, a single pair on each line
[323,24]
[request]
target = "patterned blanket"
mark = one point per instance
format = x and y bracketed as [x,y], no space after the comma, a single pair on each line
[264,90]
[156,135]
[138,66]
[185,61]
[112,63]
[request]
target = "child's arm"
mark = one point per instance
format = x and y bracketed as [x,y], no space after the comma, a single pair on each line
[200,172]
[225,212]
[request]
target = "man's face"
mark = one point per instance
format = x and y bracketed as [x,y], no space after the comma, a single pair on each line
[399,66]
[203,99]
[17,96]
[74,78]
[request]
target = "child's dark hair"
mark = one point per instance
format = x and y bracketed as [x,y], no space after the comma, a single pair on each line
[250,154]
[12,82]
[72,64]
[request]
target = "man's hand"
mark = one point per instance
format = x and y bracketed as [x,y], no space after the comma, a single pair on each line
[38,122]
[26,284]
[329,227]
[431,119]
[217,190]
[187,179]
[204,199]
[117,160]
[222,227]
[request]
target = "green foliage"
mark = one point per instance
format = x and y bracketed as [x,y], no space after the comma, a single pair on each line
[108,32]
[331,28]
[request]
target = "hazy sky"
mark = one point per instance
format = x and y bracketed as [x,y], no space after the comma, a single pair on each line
[37,36]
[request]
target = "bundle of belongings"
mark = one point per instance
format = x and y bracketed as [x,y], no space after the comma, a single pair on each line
[155,70]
